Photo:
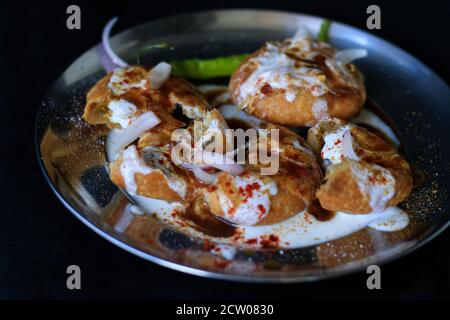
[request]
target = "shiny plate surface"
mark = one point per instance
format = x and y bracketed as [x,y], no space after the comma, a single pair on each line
[72,156]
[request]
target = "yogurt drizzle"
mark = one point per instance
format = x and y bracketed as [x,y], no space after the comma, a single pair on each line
[301,230]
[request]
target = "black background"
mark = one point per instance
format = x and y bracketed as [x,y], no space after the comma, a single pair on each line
[39,238]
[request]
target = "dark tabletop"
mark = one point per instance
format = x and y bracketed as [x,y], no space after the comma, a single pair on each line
[39,238]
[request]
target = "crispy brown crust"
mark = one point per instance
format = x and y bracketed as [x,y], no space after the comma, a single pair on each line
[97,99]
[297,180]
[174,92]
[299,166]
[343,101]
[152,185]
[183,93]
[288,201]
[161,134]
[340,192]
[292,197]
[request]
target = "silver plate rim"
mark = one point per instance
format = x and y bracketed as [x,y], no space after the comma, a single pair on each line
[283,277]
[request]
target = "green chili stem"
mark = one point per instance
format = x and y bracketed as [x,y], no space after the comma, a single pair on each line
[324,31]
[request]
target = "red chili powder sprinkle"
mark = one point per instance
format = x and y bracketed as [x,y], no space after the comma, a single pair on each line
[266,89]
[261,209]
[208,245]
[272,241]
[266,244]
[248,191]
[274,238]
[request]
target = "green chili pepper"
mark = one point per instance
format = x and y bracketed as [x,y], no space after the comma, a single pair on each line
[207,68]
[324,30]
[157,46]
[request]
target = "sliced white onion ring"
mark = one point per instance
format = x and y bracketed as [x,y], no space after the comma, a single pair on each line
[159,74]
[202,175]
[302,33]
[192,166]
[105,60]
[222,162]
[185,164]
[109,59]
[118,139]
[349,55]
[347,146]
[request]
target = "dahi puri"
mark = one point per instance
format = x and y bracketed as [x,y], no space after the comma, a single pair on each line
[254,199]
[299,81]
[145,166]
[364,173]
[117,101]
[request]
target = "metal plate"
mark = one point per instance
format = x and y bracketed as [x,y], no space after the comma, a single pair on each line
[71,153]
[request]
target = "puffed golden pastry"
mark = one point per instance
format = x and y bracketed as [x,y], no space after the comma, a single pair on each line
[364,173]
[148,168]
[145,169]
[132,85]
[297,82]
[255,199]
[150,173]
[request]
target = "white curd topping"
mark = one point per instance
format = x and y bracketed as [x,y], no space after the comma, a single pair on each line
[375,182]
[122,112]
[332,149]
[192,112]
[255,204]
[226,251]
[283,66]
[132,163]
[120,83]
[301,230]
[279,71]
[177,185]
